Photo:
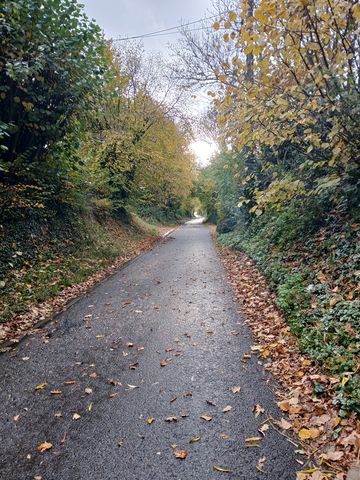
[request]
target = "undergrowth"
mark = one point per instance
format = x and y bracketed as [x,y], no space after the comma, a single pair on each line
[44,252]
[312,263]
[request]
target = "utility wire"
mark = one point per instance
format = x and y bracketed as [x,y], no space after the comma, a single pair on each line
[168,30]
[160,34]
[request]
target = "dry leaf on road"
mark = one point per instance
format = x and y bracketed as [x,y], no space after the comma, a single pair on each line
[207,418]
[235,389]
[258,409]
[171,419]
[40,386]
[44,446]
[182,454]
[221,469]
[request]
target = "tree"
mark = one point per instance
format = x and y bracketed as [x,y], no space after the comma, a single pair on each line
[298,96]
[136,137]
[51,68]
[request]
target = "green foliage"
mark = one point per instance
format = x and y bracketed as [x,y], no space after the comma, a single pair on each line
[86,143]
[80,123]
[312,263]
[51,250]
[51,69]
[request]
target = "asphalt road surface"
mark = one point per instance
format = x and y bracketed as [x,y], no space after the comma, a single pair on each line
[171,305]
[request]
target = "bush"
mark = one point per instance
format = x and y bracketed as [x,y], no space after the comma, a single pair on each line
[51,67]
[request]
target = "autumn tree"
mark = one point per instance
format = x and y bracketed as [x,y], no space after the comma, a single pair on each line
[297,97]
[137,140]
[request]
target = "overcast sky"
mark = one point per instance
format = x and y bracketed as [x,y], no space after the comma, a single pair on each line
[136,17]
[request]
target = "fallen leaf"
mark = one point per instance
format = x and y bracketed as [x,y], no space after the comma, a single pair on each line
[295,409]
[284,405]
[256,348]
[129,345]
[195,439]
[284,424]
[258,409]
[260,464]
[150,420]
[227,408]
[336,421]
[222,469]
[264,428]
[70,382]
[207,418]
[16,418]
[114,394]
[56,392]
[44,446]
[171,419]
[131,387]
[88,391]
[165,362]
[252,445]
[182,454]
[307,433]
[93,375]
[184,415]
[76,416]
[235,389]
[252,439]
[333,456]
[209,402]
[40,386]
[115,383]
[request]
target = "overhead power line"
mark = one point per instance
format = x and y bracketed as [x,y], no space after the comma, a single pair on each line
[170,30]
[158,34]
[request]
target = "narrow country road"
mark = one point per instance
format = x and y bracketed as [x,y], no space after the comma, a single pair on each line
[171,305]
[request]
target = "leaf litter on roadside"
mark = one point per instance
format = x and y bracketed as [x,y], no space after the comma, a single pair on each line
[23,322]
[318,423]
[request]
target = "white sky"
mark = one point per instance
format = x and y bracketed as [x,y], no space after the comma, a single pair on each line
[126,18]
[203,151]
[136,17]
